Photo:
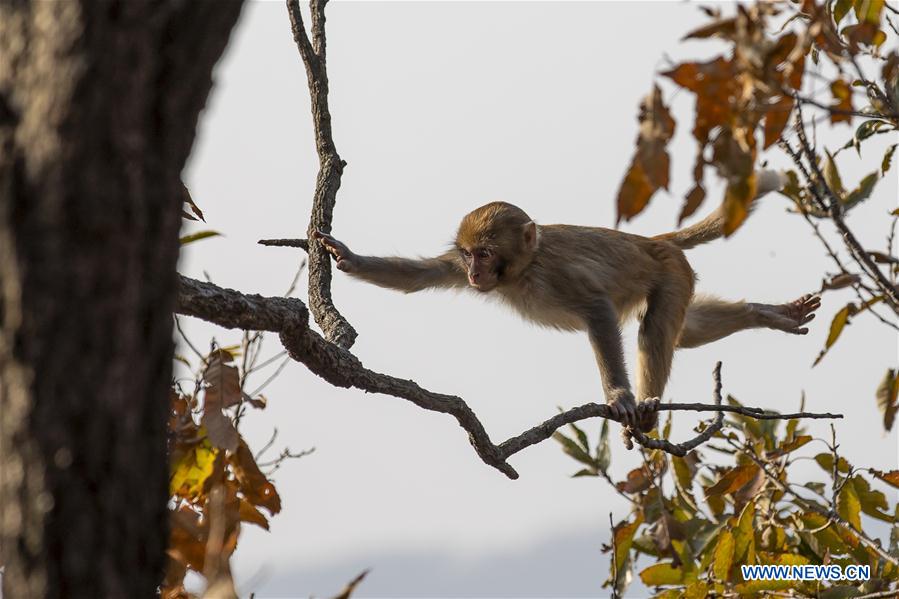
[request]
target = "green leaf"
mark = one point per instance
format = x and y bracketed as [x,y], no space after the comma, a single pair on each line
[887,158]
[868,128]
[603,451]
[825,460]
[573,449]
[840,9]
[581,436]
[832,176]
[585,472]
[724,556]
[873,502]
[198,236]
[862,192]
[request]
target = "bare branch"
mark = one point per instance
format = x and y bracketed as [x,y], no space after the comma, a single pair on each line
[303,244]
[290,318]
[335,327]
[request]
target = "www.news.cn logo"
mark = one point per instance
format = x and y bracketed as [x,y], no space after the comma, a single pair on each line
[807,572]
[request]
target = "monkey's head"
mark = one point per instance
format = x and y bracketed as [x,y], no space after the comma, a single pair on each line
[496,243]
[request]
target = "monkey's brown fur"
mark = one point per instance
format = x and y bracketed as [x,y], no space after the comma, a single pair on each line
[591,279]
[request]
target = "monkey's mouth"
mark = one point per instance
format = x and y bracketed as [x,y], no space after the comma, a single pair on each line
[482,286]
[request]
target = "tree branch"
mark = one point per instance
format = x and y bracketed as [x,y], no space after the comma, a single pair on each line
[335,327]
[817,185]
[290,319]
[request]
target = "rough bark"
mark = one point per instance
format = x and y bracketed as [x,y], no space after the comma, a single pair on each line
[98,107]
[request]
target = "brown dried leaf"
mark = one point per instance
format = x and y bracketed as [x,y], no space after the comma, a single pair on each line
[638,479]
[253,483]
[220,430]
[725,28]
[887,394]
[776,119]
[187,541]
[840,281]
[692,203]
[248,513]
[634,194]
[223,380]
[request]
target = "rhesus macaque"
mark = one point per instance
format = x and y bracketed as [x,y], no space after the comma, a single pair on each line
[590,279]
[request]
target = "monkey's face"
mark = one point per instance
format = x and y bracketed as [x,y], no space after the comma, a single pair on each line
[483,267]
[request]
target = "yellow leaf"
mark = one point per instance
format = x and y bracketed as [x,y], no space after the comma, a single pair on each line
[849,506]
[190,471]
[724,555]
[660,574]
[840,320]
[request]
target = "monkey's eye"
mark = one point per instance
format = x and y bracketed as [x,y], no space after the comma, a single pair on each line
[465,253]
[484,253]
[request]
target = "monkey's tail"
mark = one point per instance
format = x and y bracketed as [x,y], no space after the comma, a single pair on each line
[712,226]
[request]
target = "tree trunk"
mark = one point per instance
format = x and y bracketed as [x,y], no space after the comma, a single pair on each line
[98,109]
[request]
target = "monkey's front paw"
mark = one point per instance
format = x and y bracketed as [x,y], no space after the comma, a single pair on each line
[622,406]
[345,259]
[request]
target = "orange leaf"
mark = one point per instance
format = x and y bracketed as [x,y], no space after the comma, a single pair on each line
[733,479]
[634,194]
[253,483]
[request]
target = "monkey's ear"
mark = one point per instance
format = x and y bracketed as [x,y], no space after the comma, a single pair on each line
[531,235]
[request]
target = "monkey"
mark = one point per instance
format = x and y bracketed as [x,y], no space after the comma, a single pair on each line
[592,279]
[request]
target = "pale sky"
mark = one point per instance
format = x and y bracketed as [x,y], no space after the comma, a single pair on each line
[439,108]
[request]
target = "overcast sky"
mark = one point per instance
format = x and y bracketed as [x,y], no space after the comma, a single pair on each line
[439,108]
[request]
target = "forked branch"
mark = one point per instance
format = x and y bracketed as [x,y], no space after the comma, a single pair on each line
[290,319]
[331,321]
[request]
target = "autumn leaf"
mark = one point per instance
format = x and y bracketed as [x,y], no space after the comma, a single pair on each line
[849,506]
[253,483]
[733,479]
[650,166]
[776,119]
[624,536]
[638,479]
[724,555]
[887,393]
[662,573]
[223,391]
[692,202]
[839,322]
[248,513]
[891,477]
[191,470]
[842,96]
[191,205]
